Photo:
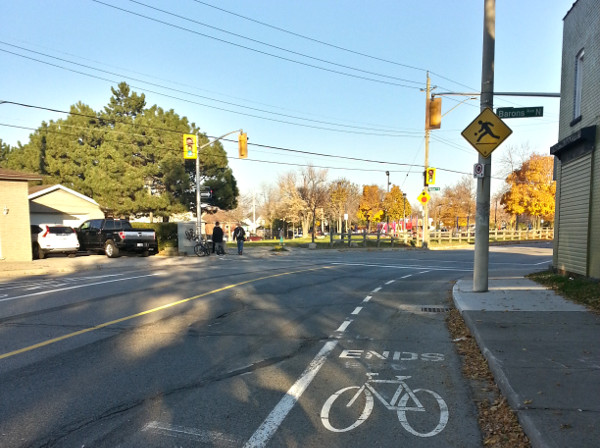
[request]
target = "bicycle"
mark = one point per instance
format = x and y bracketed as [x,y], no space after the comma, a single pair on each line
[403,401]
[201,248]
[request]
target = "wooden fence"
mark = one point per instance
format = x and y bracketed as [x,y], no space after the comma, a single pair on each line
[439,237]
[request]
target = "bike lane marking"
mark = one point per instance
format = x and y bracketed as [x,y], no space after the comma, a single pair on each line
[270,425]
[266,430]
[147,312]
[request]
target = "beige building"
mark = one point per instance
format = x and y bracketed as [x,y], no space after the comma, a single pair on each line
[15,234]
[56,204]
[577,153]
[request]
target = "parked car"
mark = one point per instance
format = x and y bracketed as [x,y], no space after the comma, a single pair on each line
[112,236]
[53,239]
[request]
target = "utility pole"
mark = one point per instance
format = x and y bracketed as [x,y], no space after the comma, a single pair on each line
[482,221]
[425,186]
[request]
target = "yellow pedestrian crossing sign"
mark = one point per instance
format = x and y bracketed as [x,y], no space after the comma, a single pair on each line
[424,197]
[486,132]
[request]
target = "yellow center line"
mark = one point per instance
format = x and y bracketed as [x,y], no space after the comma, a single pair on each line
[150,311]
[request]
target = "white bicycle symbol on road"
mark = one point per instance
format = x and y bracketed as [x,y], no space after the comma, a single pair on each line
[404,399]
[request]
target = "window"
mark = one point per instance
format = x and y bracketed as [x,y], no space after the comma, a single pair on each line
[578,85]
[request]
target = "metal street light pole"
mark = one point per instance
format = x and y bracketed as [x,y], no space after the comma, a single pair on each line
[198,201]
[387,218]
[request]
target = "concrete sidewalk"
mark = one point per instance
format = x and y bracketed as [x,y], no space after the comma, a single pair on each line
[544,352]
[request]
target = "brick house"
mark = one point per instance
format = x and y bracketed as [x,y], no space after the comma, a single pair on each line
[15,234]
[577,153]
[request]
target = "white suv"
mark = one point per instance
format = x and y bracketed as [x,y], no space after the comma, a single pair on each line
[53,239]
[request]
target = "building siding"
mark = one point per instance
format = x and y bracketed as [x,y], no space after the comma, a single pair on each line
[575,200]
[594,225]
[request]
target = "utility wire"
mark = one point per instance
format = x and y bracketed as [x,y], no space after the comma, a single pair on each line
[283,30]
[278,148]
[346,131]
[201,96]
[273,46]
[254,49]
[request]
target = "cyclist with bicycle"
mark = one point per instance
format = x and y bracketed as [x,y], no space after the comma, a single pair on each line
[217,238]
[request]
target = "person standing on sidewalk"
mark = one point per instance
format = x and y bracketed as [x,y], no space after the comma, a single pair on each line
[239,235]
[217,238]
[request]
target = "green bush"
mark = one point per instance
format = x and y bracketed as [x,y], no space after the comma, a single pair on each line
[166,232]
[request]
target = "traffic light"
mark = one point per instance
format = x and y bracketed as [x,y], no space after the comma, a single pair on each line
[190,146]
[243,145]
[434,113]
[430,176]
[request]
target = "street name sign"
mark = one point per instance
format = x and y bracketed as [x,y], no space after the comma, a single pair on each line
[434,188]
[486,132]
[520,112]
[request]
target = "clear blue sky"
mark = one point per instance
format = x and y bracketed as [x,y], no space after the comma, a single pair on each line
[224,82]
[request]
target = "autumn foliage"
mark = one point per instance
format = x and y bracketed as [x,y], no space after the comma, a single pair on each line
[532,189]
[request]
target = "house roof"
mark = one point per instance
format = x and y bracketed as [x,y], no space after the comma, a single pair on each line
[41,190]
[6,174]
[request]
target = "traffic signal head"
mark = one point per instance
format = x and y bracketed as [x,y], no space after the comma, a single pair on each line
[190,146]
[430,176]
[243,145]
[434,113]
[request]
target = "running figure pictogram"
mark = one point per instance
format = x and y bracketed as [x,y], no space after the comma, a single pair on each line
[485,130]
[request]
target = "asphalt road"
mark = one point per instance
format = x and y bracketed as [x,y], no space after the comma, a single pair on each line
[241,352]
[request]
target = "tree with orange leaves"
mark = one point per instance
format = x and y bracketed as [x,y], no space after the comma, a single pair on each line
[532,189]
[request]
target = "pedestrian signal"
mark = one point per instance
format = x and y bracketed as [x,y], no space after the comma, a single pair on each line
[243,145]
[430,176]
[190,146]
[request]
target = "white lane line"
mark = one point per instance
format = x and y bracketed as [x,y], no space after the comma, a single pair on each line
[366,299]
[408,266]
[406,276]
[182,432]
[390,282]
[357,310]
[266,430]
[377,289]
[424,272]
[344,325]
[66,288]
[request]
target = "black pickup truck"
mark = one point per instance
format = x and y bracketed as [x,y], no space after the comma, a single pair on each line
[112,236]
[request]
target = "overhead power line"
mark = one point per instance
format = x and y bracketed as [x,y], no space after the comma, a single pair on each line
[381,81]
[350,128]
[197,22]
[348,50]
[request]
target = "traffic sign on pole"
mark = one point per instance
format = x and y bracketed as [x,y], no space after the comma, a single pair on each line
[486,132]
[424,197]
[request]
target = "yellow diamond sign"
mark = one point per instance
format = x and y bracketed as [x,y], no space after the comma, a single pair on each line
[424,197]
[486,132]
